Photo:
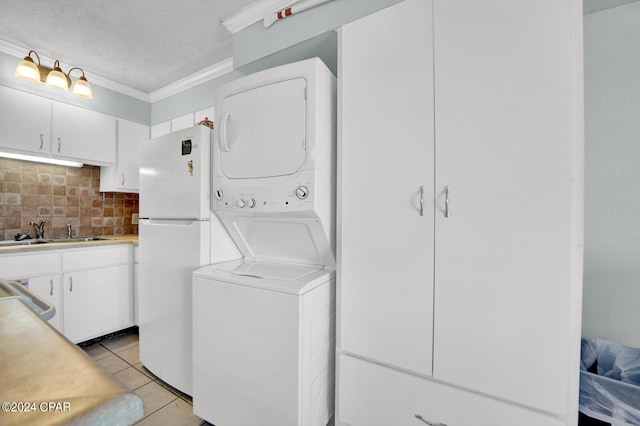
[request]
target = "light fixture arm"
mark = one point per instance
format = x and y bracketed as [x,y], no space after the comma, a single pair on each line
[28,57]
[76,68]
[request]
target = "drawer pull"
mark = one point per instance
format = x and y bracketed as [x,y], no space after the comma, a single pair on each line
[51,288]
[70,284]
[41,141]
[419,417]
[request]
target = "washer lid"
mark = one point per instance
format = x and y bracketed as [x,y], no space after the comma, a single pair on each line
[270,270]
[273,276]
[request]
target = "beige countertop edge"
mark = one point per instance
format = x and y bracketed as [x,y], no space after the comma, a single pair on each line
[112,239]
[40,366]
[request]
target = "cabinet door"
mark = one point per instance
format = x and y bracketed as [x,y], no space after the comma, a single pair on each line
[48,288]
[25,121]
[97,302]
[83,134]
[508,132]
[124,176]
[385,169]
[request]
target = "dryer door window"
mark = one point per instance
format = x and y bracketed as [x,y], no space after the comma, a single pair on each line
[262,131]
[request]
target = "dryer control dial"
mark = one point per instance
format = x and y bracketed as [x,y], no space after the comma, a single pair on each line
[240,203]
[251,203]
[218,194]
[302,192]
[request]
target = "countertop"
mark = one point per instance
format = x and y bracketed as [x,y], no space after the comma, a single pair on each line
[51,381]
[111,239]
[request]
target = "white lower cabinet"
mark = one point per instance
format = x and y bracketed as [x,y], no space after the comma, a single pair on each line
[91,288]
[48,288]
[97,291]
[40,271]
[374,395]
[97,302]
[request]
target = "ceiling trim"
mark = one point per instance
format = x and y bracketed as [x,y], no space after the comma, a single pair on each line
[253,13]
[209,73]
[19,52]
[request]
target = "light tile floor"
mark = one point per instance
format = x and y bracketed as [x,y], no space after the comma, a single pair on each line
[163,405]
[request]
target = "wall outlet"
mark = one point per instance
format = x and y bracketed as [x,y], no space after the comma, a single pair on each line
[134,219]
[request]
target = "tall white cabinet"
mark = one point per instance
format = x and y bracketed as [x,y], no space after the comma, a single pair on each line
[460,231]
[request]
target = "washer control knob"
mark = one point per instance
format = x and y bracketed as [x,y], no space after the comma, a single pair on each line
[251,203]
[302,192]
[240,203]
[218,194]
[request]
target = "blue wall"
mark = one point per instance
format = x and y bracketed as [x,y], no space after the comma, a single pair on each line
[256,42]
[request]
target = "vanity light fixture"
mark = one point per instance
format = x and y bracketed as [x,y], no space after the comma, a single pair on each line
[55,77]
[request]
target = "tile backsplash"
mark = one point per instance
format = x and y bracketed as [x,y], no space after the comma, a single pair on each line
[31,192]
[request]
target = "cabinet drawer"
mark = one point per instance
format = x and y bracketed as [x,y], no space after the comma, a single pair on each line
[29,264]
[95,257]
[370,395]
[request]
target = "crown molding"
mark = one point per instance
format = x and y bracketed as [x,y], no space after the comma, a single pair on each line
[253,13]
[20,52]
[209,73]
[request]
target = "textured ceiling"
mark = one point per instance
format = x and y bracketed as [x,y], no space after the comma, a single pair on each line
[143,44]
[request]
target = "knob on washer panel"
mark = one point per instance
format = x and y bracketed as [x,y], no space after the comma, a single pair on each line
[240,203]
[302,192]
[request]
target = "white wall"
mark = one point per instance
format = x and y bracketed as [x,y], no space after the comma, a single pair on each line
[611,303]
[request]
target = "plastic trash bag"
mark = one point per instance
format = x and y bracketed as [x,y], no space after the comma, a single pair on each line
[610,382]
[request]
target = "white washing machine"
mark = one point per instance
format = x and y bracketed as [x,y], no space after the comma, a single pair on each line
[264,325]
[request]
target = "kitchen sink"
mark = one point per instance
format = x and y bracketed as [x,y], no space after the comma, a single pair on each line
[10,243]
[76,239]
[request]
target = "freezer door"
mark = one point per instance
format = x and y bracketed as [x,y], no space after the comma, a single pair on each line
[175,174]
[262,130]
[169,253]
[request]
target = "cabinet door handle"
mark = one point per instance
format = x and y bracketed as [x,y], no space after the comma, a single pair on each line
[446,201]
[59,144]
[41,141]
[421,200]
[50,287]
[422,419]
[70,284]
[122,179]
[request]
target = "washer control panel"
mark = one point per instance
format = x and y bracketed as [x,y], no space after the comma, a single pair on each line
[298,197]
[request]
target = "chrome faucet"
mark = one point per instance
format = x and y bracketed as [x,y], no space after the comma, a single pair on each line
[68,230]
[39,227]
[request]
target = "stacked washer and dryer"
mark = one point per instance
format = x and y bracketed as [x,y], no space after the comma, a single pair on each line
[264,325]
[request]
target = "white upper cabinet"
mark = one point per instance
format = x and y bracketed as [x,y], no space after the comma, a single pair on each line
[124,176]
[81,134]
[25,122]
[35,125]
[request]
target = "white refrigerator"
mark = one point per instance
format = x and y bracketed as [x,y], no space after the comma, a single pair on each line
[174,240]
